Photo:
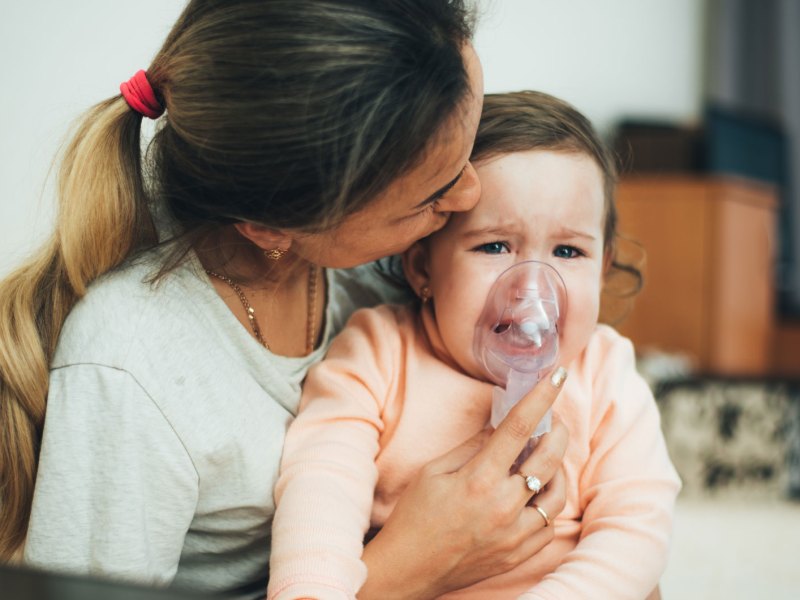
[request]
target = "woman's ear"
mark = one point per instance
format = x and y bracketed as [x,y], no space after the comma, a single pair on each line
[415,268]
[264,237]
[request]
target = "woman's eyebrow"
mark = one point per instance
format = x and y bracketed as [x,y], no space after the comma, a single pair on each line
[441,191]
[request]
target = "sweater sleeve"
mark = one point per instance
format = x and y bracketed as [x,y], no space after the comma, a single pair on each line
[325,490]
[627,490]
[115,491]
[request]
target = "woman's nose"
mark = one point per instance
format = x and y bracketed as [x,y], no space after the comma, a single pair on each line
[465,193]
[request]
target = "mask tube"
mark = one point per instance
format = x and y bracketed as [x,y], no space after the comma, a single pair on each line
[516,337]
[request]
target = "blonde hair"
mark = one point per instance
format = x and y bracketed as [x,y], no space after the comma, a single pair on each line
[292,113]
[102,217]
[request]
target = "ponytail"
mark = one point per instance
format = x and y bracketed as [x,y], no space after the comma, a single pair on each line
[103,217]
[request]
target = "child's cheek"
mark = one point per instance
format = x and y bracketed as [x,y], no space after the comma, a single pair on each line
[578,328]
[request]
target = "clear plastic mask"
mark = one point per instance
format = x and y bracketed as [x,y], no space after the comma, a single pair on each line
[516,337]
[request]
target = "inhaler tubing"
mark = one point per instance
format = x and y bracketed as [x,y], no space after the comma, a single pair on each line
[517,386]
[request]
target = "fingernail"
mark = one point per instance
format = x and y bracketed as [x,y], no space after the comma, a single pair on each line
[558,377]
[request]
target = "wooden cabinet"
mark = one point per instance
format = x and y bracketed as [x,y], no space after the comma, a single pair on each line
[708,290]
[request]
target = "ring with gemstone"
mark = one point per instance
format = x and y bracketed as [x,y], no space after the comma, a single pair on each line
[532,482]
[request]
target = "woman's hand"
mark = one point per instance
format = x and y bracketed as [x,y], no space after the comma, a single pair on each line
[464,518]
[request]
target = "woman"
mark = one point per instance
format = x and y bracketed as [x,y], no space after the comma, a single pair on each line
[300,135]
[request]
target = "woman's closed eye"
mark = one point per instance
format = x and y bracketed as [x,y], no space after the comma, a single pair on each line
[434,202]
[430,207]
[426,210]
[564,251]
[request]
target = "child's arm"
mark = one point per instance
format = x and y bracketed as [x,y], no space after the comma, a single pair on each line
[328,474]
[627,490]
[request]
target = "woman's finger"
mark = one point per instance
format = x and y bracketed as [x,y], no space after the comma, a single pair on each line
[531,544]
[515,430]
[546,459]
[456,458]
[550,503]
[534,531]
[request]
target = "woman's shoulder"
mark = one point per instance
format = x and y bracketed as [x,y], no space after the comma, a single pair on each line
[128,305]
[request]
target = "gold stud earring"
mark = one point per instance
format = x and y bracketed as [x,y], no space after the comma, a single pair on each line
[275,253]
[424,293]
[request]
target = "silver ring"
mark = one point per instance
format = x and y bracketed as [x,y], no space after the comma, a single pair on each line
[540,510]
[532,482]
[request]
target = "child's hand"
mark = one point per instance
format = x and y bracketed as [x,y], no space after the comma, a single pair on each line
[466,517]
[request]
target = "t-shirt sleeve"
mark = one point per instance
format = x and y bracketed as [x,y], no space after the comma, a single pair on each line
[627,490]
[328,474]
[116,491]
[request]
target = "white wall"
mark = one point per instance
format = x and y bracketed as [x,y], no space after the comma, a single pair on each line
[56,60]
[608,57]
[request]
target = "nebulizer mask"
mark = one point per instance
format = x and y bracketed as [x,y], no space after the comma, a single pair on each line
[516,336]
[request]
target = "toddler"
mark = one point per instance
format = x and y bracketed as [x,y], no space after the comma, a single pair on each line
[401,385]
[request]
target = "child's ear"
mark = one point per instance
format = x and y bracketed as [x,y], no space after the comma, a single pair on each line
[264,237]
[415,267]
[608,259]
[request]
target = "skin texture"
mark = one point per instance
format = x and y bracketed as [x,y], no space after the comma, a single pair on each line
[538,205]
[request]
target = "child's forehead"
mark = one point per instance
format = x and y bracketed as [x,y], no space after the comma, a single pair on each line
[539,171]
[534,153]
[521,190]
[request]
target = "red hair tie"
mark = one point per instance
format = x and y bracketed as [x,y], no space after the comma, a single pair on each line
[139,95]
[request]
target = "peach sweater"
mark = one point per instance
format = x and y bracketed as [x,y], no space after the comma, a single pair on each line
[388,399]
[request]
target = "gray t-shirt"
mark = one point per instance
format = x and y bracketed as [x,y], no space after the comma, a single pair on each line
[164,428]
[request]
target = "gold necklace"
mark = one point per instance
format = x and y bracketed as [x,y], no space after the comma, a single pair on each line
[311,320]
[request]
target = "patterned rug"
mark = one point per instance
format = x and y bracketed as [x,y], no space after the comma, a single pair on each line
[738,438]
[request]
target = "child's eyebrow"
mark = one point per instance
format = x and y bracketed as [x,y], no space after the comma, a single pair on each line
[577,233]
[495,230]
[505,229]
[441,191]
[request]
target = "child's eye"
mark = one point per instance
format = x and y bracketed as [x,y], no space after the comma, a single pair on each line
[492,248]
[567,252]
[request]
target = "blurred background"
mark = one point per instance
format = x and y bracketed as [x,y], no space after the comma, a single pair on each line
[701,101]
